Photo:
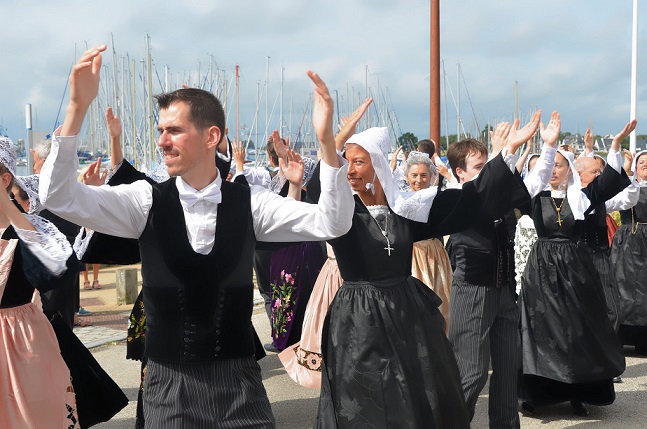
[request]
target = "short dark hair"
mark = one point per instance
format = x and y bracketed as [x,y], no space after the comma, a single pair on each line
[272,152]
[457,153]
[205,110]
[427,146]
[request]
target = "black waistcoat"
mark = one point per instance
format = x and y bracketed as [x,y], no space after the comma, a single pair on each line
[483,254]
[595,233]
[198,307]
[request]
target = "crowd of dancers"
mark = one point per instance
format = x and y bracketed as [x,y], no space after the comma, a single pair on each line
[392,289]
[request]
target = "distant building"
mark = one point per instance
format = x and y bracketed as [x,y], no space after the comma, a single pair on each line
[641,144]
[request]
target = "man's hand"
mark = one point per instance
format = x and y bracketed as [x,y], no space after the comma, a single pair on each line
[84,87]
[113,123]
[499,136]
[93,175]
[292,168]
[394,158]
[239,155]
[550,134]
[518,136]
[588,142]
[281,147]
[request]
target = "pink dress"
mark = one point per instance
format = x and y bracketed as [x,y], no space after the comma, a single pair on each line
[35,388]
[430,264]
[302,360]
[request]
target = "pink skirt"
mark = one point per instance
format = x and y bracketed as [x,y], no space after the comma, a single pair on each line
[35,387]
[430,264]
[302,361]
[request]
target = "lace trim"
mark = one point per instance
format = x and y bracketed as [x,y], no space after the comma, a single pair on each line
[47,243]
[307,359]
[81,242]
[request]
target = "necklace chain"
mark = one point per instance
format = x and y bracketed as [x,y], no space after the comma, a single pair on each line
[559,210]
[384,232]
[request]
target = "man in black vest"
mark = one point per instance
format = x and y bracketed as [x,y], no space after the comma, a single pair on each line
[484,318]
[197,235]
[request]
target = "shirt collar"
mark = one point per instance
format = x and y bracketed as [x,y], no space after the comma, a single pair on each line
[190,196]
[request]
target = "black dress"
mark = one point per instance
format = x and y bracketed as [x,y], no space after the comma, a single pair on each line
[628,257]
[597,240]
[570,350]
[387,361]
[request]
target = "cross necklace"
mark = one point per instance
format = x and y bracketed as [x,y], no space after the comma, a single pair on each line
[559,210]
[384,232]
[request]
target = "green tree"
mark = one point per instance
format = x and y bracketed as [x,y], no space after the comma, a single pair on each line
[408,141]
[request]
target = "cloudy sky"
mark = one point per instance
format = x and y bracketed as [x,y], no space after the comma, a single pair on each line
[573,56]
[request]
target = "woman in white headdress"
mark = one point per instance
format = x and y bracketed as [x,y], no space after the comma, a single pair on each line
[35,387]
[430,263]
[386,360]
[570,351]
[628,256]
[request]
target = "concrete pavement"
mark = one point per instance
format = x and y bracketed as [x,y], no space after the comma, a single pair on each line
[295,407]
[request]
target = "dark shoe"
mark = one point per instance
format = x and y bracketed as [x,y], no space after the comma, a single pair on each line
[579,409]
[270,347]
[527,408]
[83,312]
[617,379]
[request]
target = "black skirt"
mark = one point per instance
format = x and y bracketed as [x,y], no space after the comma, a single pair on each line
[570,350]
[387,362]
[98,397]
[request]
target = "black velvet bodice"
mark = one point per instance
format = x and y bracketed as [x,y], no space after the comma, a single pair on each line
[18,290]
[545,216]
[361,252]
[544,212]
[637,213]
[27,273]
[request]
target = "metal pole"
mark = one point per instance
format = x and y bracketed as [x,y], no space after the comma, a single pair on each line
[434,75]
[29,142]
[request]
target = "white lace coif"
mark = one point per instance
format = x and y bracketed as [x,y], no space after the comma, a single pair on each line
[30,185]
[414,206]
[8,154]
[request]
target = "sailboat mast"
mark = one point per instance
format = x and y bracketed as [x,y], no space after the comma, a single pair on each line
[458,102]
[281,105]
[151,119]
[267,97]
[237,139]
[133,107]
[258,101]
[368,111]
[445,110]
[516,99]
[634,68]
[115,100]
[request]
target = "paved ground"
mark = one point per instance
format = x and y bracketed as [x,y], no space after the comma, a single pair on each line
[295,407]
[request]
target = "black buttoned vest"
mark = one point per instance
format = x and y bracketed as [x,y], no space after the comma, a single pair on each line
[198,307]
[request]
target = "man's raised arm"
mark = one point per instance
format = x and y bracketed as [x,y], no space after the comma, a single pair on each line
[121,210]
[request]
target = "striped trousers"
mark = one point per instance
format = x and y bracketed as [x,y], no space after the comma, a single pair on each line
[221,394]
[484,325]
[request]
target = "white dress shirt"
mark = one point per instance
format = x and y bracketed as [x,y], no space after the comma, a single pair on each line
[123,210]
